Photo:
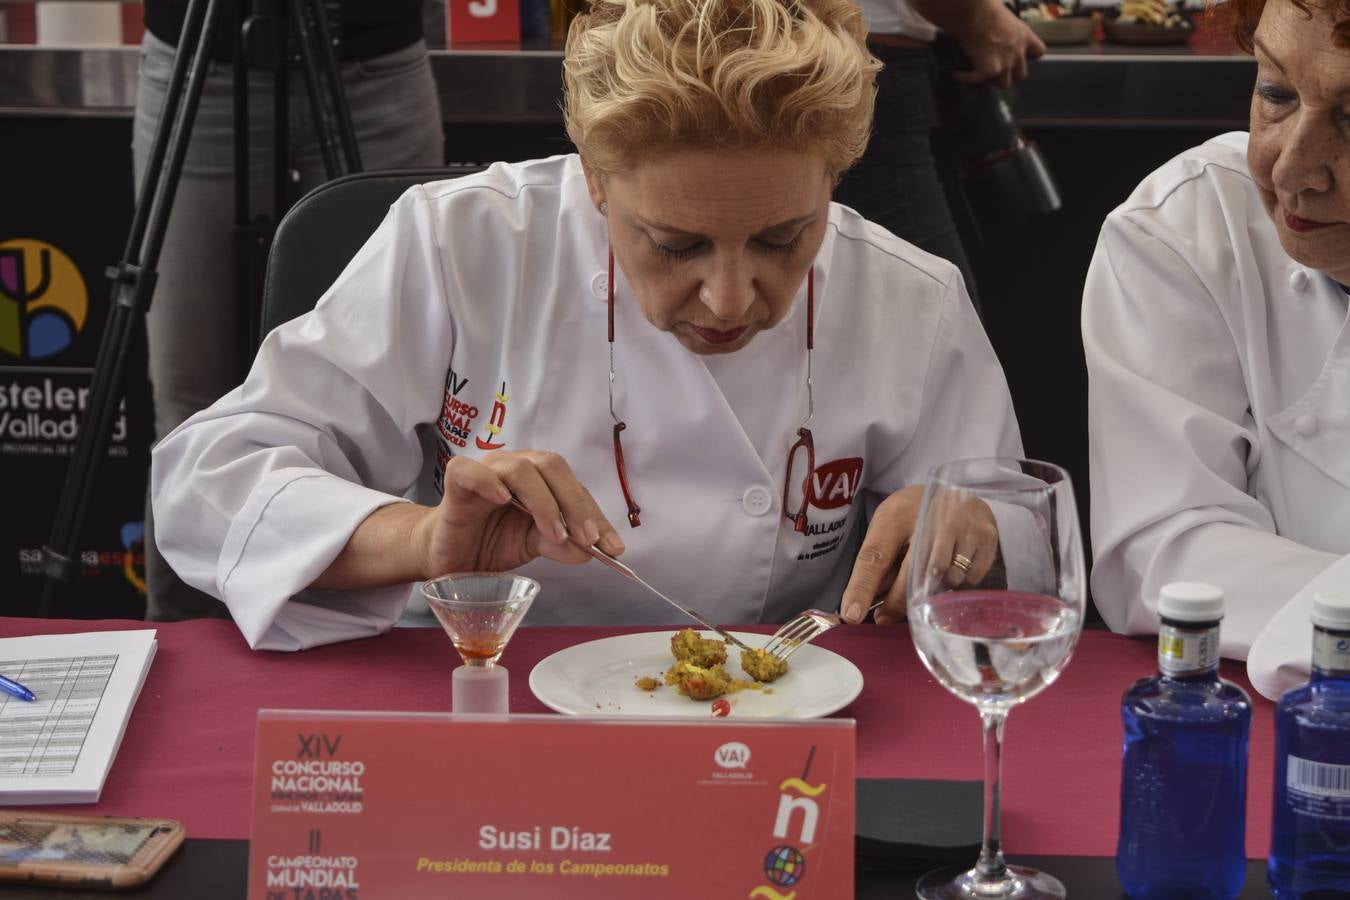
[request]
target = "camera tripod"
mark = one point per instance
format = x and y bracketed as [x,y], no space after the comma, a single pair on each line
[263,39]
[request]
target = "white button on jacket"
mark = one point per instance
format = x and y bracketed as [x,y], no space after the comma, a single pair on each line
[600,286]
[1219,411]
[463,326]
[757,501]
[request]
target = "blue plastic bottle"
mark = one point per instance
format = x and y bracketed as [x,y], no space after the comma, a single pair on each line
[1183,789]
[1310,839]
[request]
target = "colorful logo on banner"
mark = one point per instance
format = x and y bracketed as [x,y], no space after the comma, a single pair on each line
[129,561]
[43,300]
[133,559]
[785,865]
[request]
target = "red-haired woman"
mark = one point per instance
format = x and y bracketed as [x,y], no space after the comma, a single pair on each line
[1214,322]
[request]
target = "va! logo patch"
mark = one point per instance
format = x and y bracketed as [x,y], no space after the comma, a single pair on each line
[43,300]
[835,484]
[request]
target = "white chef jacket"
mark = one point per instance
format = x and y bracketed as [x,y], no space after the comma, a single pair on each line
[1219,412]
[475,319]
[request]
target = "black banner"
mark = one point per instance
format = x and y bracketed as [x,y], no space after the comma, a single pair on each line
[65,208]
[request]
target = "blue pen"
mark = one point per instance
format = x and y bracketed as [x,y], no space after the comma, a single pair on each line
[15,689]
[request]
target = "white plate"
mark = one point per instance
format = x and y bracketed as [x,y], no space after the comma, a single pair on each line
[598,678]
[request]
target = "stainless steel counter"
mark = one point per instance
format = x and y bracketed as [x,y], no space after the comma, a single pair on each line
[1070,87]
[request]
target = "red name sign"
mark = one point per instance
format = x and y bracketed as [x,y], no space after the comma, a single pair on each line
[372,805]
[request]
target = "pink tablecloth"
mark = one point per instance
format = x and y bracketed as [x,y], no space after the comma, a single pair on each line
[188,750]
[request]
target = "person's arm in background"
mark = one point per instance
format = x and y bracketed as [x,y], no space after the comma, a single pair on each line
[997,42]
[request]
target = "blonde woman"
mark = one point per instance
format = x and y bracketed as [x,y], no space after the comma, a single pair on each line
[672,342]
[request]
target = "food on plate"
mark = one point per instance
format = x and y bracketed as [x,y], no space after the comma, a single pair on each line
[1042,12]
[1059,23]
[698,682]
[762,666]
[1155,13]
[647,683]
[700,668]
[687,645]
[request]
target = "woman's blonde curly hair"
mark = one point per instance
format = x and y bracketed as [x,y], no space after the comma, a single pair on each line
[641,76]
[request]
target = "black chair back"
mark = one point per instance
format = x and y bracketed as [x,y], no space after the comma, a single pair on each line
[322,232]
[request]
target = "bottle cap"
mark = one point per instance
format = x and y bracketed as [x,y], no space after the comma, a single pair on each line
[1190,601]
[1331,609]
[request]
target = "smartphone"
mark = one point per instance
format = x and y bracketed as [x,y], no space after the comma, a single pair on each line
[89,851]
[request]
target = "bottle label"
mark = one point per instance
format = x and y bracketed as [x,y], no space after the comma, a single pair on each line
[1318,789]
[1182,652]
[1331,652]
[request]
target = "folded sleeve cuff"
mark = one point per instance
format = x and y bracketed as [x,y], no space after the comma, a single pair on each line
[1281,655]
[290,529]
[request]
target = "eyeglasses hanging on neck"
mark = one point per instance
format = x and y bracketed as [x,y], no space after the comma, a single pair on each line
[801,461]
[634,511]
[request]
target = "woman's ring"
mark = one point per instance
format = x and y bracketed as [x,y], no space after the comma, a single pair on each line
[962,562]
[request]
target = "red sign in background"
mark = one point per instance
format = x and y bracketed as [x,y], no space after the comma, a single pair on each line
[403,805]
[482,22]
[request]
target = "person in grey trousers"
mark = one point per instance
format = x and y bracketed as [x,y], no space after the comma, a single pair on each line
[195,340]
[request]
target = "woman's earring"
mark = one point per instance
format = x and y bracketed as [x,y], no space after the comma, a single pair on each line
[604,208]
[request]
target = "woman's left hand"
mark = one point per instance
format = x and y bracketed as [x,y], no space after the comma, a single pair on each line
[882,567]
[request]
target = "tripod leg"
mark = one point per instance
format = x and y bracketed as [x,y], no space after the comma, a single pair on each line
[133,286]
[342,113]
[250,242]
[281,141]
[168,117]
[305,39]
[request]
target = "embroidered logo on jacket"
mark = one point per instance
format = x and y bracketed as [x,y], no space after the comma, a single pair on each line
[456,420]
[453,426]
[496,419]
[833,487]
[836,483]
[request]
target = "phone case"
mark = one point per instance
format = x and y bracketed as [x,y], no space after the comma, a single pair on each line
[103,851]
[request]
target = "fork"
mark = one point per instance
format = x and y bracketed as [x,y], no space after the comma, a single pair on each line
[802,629]
[628,572]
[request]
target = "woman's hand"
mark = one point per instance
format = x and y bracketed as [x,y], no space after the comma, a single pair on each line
[882,568]
[475,529]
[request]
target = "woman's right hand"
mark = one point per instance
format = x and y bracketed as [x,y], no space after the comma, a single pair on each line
[476,529]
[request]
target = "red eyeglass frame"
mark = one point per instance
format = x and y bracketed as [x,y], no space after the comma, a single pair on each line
[634,511]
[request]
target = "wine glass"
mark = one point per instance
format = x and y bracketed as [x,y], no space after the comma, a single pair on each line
[995,613]
[480,612]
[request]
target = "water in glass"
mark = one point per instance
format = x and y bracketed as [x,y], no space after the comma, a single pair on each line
[994,647]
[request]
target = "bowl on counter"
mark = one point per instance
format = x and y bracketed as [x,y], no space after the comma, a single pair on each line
[1064,30]
[1134,33]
